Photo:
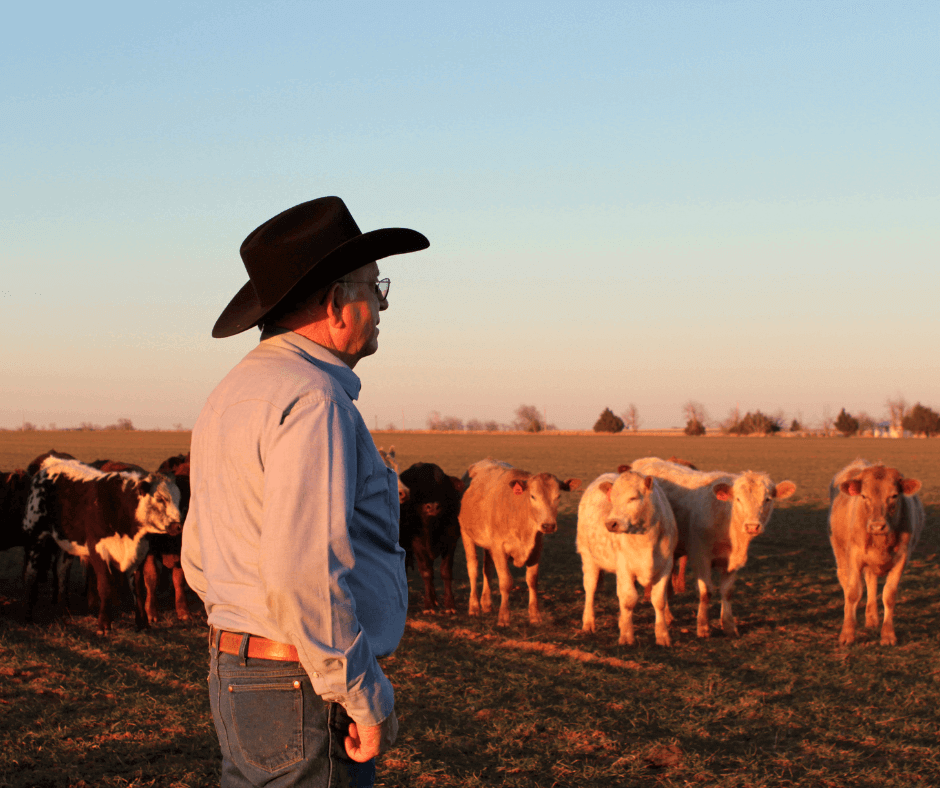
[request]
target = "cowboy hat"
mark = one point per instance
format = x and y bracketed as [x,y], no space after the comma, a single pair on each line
[303,249]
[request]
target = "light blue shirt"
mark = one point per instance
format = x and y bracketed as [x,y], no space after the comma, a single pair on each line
[292,532]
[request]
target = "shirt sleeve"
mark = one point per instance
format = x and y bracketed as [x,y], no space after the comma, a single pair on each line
[306,555]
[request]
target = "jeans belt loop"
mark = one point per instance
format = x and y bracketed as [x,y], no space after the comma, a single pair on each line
[243,650]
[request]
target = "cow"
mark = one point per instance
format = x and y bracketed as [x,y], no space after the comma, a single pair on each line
[101,517]
[626,526]
[164,550]
[717,514]
[33,468]
[14,490]
[388,457]
[875,520]
[506,511]
[429,527]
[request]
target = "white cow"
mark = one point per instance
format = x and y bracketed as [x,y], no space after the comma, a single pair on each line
[626,526]
[718,514]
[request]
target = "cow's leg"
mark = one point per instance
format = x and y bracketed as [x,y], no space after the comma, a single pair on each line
[703,574]
[505,585]
[62,564]
[532,581]
[486,596]
[678,574]
[425,561]
[727,616]
[179,588]
[31,563]
[661,606]
[140,590]
[871,597]
[103,585]
[447,576]
[627,596]
[592,574]
[146,578]
[470,549]
[889,597]
[851,580]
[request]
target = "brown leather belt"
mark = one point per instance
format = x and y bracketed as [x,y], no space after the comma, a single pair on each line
[258,647]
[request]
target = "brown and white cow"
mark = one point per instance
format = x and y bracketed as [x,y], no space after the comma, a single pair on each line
[14,490]
[626,526]
[875,520]
[718,514]
[104,518]
[506,511]
[429,527]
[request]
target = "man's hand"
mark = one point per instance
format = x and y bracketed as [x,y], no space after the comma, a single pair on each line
[366,741]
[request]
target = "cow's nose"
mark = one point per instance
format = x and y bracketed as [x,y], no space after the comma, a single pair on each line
[175,529]
[752,528]
[877,526]
[612,526]
[549,528]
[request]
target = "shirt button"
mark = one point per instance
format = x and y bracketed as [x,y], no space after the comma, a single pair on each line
[316,675]
[296,685]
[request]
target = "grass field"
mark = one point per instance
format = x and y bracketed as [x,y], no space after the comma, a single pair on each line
[783,705]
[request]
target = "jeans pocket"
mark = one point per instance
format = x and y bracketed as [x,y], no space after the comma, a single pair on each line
[268,722]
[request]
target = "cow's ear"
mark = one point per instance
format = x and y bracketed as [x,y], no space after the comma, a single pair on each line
[458,484]
[723,491]
[570,484]
[648,481]
[784,490]
[605,488]
[909,486]
[851,487]
[518,486]
[623,468]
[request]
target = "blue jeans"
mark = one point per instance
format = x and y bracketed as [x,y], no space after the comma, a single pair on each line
[275,731]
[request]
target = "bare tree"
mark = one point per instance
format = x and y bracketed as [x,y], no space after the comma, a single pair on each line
[694,411]
[827,420]
[631,418]
[897,410]
[528,419]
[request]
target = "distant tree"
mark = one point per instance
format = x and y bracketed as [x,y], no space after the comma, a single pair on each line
[491,426]
[28,426]
[444,423]
[390,427]
[795,426]
[475,425]
[756,423]
[88,426]
[608,422]
[733,419]
[694,411]
[528,419]
[846,423]
[631,418]
[922,420]
[826,420]
[897,410]
[694,427]
[124,424]
[865,422]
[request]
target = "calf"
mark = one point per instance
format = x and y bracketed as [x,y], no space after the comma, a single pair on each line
[388,457]
[102,517]
[717,515]
[505,511]
[875,520]
[429,527]
[626,526]
[14,490]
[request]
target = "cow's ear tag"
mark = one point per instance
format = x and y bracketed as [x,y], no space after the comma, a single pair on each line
[518,489]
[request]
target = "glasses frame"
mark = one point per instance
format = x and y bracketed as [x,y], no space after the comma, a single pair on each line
[381,287]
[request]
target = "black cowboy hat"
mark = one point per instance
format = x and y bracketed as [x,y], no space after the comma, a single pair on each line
[305,247]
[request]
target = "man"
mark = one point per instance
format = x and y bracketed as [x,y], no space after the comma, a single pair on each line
[292,533]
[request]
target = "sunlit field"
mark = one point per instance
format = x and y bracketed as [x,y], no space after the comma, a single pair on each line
[782,705]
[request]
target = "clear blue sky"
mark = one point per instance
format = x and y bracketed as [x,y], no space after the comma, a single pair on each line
[630,202]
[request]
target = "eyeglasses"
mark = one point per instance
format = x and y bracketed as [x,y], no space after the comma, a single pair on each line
[381,287]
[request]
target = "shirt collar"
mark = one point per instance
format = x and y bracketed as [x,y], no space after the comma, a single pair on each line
[317,355]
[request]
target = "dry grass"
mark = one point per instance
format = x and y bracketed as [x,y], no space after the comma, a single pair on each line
[783,705]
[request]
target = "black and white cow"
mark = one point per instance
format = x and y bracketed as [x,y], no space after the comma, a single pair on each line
[14,490]
[104,518]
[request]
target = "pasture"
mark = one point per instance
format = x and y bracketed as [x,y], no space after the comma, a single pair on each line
[783,705]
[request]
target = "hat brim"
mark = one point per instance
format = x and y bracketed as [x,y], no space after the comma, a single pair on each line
[245,311]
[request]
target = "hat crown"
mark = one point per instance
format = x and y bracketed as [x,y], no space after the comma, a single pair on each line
[292,243]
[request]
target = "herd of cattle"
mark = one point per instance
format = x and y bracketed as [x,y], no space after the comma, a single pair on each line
[646,522]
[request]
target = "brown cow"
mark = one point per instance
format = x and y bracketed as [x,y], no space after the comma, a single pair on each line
[429,527]
[875,520]
[717,514]
[104,518]
[505,511]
